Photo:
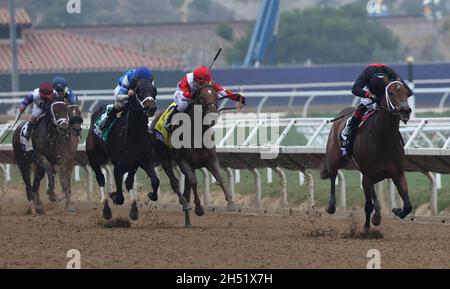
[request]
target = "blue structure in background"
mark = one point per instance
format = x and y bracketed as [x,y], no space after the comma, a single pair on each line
[264,35]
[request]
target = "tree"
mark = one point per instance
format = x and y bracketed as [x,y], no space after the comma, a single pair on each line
[331,35]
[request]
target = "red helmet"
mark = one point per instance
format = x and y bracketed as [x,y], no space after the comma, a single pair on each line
[202,74]
[46,90]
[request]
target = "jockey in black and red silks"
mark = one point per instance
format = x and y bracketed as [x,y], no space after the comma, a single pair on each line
[370,86]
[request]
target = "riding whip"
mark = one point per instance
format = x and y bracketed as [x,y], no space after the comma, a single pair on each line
[215,58]
[344,115]
[11,129]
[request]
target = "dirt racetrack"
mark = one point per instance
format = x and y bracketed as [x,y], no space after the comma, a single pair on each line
[218,240]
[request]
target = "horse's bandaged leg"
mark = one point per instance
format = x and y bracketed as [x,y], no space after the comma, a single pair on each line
[102,193]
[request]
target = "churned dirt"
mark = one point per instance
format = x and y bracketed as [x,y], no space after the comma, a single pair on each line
[217,240]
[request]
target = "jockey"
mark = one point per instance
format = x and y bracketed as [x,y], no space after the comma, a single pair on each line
[60,86]
[37,97]
[125,89]
[370,87]
[188,87]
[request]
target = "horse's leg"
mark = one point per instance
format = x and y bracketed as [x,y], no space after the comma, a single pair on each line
[199,210]
[25,171]
[332,202]
[214,168]
[191,179]
[51,184]
[376,219]
[65,173]
[187,190]
[369,191]
[117,196]
[129,183]
[107,214]
[168,169]
[150,171]
[402,187]
[38,176]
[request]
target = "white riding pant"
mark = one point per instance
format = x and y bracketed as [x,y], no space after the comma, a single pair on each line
[121,100]
[182,101]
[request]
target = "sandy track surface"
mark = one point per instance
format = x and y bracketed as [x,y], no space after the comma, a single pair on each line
[217,240]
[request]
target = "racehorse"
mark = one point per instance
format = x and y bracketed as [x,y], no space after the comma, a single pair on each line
[192,157]
[378,152]
[54,144]
[75,122]
[129,147]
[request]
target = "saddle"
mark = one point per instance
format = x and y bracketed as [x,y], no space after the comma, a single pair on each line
[161,133]
[104,134]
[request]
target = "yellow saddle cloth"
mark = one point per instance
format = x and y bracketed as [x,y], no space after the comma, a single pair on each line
[160,128]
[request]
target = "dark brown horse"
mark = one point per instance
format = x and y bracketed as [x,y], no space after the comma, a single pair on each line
[129,147]
[75,122]
[54,144]
[378,152]
[197,150]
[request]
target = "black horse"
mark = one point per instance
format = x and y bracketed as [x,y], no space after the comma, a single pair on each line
[128,147]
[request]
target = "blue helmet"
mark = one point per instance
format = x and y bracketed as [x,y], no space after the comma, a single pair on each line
[59,84]
[143,73]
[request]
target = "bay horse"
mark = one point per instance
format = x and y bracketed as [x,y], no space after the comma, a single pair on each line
[378,152]
[54,145]
[75,122]
[195,155]
[129,147]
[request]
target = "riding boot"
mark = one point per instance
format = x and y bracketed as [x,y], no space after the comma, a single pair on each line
[109,119]
[349,135]
[168,125]
[30,127]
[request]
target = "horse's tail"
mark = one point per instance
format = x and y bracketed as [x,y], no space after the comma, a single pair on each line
[324,172]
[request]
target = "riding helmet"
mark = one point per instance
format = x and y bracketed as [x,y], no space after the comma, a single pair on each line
[143,73]
[202,73]
[59,83]
[45,90]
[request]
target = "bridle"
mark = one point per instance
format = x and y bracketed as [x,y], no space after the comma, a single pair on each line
[58,122]
[390,106]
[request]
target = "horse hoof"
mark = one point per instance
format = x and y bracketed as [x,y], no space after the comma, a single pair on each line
[107,214]
[231,207]
[331,210]
[153,197]
[376,220]
[367,228]
[29,211]
[134,213]
[117,198]
[71,209]
[397,212]
[188,226]
[40,211]
[199,211]
[51,197]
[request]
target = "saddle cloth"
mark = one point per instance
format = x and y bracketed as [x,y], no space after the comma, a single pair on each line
[161,132]
[104,134]
[27,144]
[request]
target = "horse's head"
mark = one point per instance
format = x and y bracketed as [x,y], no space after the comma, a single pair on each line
[207,98]
[59,114]
[397,99]
[145,97]
[75,119]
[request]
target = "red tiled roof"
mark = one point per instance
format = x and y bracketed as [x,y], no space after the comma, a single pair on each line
[56,51]
[22,17]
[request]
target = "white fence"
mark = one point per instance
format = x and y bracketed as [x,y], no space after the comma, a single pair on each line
[300,146]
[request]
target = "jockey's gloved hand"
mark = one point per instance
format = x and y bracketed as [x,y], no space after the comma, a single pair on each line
[372,97]
[194,90]
[22,108]
[240,98]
